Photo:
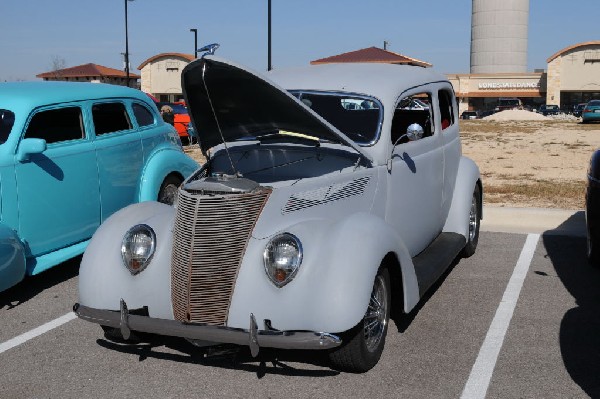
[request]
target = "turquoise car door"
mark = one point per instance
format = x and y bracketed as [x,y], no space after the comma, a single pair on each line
[57,189]
[119,154]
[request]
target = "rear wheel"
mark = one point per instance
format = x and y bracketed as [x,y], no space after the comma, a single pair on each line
[474,223]
[364,343]
[168,189]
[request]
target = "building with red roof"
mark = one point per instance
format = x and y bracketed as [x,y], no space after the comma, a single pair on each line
[372,55]
[91,73]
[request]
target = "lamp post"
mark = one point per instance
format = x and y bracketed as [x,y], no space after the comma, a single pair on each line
[126,46]
[195,42]
[269,37]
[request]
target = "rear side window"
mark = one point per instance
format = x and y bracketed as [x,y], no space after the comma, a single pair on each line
[445,98]
[56,125]
[7,119]
[110,117]
[143,116]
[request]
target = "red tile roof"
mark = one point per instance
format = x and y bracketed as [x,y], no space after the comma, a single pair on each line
[188,57]
[371,54]
[87,70]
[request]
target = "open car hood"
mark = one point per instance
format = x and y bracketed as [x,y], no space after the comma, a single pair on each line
[221,95]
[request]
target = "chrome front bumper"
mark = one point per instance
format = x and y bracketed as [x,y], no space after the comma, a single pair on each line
[253,337]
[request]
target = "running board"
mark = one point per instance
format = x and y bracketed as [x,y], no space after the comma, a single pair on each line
[435,259]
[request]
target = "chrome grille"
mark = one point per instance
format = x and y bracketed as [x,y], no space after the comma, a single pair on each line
[209,240]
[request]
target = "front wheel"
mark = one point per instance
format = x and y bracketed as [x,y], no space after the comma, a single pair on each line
[168,189]
[474,223]
[364,344]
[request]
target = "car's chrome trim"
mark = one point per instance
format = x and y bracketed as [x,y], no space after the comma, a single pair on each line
[253,337]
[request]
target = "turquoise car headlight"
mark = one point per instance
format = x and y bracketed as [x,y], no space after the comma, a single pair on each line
[282,258]
[137,248]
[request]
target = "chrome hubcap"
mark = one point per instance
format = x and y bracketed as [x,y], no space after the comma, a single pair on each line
[375,319]
[473,219]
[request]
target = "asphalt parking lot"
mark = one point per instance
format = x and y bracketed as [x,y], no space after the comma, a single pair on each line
[519,319]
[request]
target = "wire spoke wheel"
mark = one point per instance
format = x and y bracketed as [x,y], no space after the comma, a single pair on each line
[375,320]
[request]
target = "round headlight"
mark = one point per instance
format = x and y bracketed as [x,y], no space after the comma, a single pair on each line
[282,258]
[138,247]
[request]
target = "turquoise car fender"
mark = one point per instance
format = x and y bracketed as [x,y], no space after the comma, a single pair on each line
[332,288]
[104,279]
[161,163]
[458,216]
[12,258]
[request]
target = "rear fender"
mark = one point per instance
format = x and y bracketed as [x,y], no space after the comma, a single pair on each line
[466,179]
[12,258]
[159,165]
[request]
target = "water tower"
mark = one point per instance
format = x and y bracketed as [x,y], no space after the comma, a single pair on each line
[499,36]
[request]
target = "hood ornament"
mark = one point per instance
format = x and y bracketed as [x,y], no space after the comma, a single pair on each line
[209,49]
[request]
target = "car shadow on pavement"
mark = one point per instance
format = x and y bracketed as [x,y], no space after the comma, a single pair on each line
[268,361]
[403,320]
[31,286]
[580,326]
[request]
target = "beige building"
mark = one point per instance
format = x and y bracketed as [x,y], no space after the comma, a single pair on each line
[574,74]
[572,77]
[161,75]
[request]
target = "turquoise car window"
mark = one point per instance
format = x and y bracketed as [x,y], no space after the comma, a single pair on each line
[143,116]
[110,117]
[56,125]
[7,119]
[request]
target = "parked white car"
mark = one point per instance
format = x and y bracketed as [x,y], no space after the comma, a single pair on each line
[310,221]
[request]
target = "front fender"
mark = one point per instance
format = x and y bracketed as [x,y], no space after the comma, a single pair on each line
[12,258]
[466,179]
[104,280]
[159,165]
[332,288]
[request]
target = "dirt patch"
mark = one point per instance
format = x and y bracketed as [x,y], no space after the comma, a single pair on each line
[525,163]
[531,163]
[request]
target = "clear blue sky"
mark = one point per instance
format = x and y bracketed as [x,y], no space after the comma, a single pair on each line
[437,31]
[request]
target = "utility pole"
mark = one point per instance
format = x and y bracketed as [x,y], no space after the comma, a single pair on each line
[269,37]
[195,42]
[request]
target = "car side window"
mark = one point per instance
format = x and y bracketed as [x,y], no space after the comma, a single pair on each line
[110,117]
[7,119]
[143,116]
[446,110]
[54,125]
[415,108]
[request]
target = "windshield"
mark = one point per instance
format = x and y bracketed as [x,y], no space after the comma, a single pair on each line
[177,108]
[358,117]
[7,119]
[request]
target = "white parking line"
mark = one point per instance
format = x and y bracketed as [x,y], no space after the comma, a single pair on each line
[44,328]
[481,373]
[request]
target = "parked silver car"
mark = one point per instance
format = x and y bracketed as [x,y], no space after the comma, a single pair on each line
[310,221]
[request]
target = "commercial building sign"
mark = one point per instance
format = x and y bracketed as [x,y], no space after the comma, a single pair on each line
[509,85]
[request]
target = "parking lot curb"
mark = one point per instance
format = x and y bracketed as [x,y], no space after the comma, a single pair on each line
[534,220]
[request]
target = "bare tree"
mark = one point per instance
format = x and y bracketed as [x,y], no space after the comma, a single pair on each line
[57,64]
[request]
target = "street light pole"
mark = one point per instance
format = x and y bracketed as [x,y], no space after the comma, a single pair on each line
[195,42]
[126,46]
[269,37]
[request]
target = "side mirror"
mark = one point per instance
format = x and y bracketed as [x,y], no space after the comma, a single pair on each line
[415,132]
[29,147]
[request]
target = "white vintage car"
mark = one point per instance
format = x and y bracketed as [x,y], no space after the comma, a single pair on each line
[331,195]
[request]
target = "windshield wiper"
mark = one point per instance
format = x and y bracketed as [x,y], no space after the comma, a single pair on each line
[289,138]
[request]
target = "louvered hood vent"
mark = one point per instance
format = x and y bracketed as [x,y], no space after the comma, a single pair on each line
[214,220]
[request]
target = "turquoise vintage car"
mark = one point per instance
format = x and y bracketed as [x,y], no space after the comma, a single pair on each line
[72,154]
